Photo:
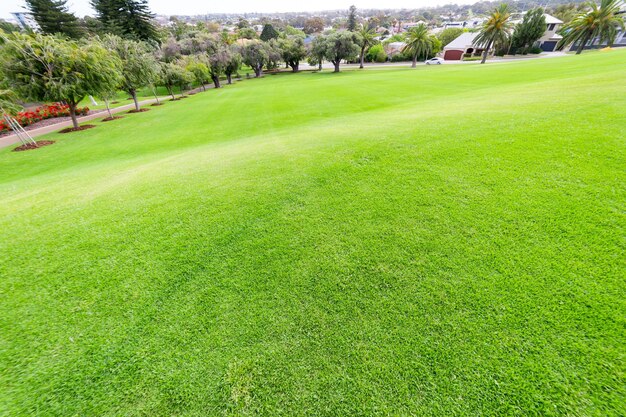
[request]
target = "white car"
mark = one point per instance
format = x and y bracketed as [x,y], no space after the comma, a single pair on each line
[434,61]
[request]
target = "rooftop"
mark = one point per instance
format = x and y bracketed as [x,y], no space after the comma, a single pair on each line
[463,41]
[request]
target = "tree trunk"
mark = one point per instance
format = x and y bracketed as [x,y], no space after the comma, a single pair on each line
[414,64]
[582,45]
[336,64]
[133,94]
[229,77]
[362,57]
[216,81]
[319,65]
[171,91]
[486,51]
[295,66]
[106,103]
[155,95]
[72,108]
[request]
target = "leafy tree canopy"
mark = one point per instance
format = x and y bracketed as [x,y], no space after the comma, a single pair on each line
[314,25]
[293,51]
[139,65]
[48,68]
[530,29]
[448,35]
[8,27]
[339,46]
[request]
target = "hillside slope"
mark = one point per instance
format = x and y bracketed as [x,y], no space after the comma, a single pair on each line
[440,241]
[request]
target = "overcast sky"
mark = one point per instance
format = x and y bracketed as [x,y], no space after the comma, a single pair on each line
[193,7]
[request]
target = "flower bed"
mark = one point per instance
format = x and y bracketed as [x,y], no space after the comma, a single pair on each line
[48,111]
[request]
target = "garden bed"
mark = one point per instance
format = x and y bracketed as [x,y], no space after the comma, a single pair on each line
[40,143]
[76,129]
[109,119]
[43,116]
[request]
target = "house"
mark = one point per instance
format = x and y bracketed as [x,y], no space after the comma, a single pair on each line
[620,41]
[394,48]
[550,38]
[461,47]
[408,25]
[469,24]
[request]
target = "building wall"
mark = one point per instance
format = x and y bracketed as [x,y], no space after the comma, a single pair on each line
[620,42]
[551,32]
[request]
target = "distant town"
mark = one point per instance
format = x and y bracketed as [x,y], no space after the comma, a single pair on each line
[450,15]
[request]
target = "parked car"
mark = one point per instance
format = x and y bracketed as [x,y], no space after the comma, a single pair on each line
[435,61]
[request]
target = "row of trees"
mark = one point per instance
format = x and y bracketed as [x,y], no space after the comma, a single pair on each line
[50,68]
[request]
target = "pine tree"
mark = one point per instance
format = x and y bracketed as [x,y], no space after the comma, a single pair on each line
[130,19]
[53,17]
[268,33]
[108,13]
[352,19]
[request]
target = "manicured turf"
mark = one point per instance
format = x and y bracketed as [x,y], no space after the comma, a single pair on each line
[432,242]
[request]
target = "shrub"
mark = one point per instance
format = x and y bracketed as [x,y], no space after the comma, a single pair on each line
[376,54]
[535,50]
[400,57]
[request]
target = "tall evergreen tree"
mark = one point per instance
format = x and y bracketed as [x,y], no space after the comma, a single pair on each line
[352,19]
[130,19]
[268,33]
[53,17]
[530,30]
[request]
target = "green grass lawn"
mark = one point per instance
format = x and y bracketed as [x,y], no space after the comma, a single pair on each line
[445,241]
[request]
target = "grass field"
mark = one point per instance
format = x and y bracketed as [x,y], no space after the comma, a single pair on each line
[446,241]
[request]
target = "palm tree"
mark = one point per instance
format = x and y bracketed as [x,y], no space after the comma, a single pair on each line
[418,42]
[598,22]
[496,30]
[367,38]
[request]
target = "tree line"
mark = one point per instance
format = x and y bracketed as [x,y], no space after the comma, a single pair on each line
[50,68]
